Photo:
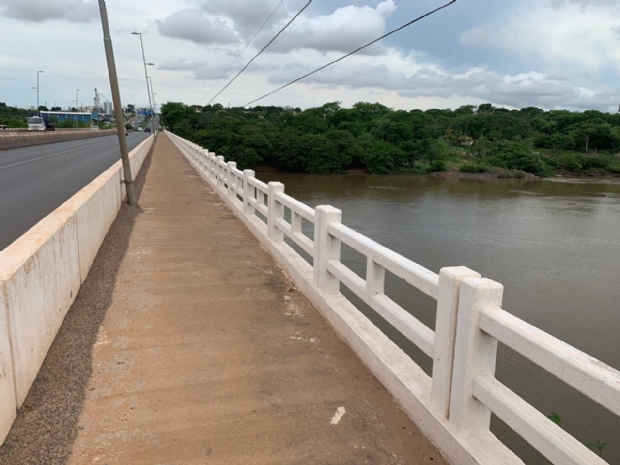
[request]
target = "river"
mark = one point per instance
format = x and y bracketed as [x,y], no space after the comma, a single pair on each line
[555,246]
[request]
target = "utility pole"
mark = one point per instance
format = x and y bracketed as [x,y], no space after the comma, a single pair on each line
[118,107]
[153,93]
[38,112]
[146,76]
[77,110]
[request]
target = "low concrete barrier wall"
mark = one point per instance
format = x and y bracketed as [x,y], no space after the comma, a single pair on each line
[27,139]
[41,274]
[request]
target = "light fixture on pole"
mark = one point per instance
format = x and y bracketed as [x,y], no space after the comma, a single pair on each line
[38,113]
[146,75]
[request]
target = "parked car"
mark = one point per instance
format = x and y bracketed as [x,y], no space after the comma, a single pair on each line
[140,129]
[147,129]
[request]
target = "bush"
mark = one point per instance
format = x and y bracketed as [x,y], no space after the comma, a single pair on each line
[129,127]
[437,165]
[614,168]
[474,168]
[511,174]
[570,163]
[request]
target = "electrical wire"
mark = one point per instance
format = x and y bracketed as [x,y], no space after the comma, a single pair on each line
[354,51]
[241,52]
[263,49]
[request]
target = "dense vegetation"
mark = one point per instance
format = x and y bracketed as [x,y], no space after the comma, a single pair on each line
[372,137]
[13,117]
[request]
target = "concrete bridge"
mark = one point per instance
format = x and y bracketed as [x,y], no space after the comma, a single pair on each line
[188,342]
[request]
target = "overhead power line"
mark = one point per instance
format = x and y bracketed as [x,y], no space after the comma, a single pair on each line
[263,49]
[244,48]
[354,51]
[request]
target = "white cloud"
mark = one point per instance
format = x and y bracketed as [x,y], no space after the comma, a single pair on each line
[193,25]
[38,11]
[222,21]
[559,34]
[411,78]
[201,70]
[344,30]
[397,77]
[247,16]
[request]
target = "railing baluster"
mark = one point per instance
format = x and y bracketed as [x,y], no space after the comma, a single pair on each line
[445,334]
[326,247]
[220,172]
[375,278]
[248,192]
[275,210]
[232,179]
[475,354]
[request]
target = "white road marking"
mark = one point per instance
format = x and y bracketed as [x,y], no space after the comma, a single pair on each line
[50,155]
[338,415]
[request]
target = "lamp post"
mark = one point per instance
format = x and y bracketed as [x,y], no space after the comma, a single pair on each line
[38,113]
[77,124]
[153,94]
[118,107]
[146,75]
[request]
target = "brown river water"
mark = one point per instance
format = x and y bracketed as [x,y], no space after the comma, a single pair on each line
[555,246]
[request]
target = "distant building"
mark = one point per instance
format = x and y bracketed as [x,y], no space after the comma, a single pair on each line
[61,116]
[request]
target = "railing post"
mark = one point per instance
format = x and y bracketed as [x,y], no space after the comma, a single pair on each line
[375,278]
[475,354]
[220,175]
[232,179]
[275,210]
[445,334]
[214,167]
[326,247]
[211,164]
[248,191]
[205,160]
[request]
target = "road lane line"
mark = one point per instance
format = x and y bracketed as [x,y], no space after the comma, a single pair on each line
[50,155]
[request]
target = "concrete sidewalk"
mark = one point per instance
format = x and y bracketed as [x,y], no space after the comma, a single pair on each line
[207,354]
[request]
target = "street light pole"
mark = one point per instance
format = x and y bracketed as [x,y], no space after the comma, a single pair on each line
[77,110]
[118,107]
[146,76]
[153,94]
[38,112]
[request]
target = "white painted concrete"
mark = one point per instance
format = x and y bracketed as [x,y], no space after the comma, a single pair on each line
[340,411]
[453,408]
[8,406]
[41,274]
[41,278]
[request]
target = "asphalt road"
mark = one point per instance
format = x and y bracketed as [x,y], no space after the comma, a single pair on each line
[34,181]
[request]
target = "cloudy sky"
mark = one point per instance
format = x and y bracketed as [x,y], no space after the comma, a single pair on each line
[546,53]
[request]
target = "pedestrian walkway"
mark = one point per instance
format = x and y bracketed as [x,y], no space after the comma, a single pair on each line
[207,354]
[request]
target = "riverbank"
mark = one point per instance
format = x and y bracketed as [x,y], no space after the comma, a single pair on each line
[566,176]
[492,175]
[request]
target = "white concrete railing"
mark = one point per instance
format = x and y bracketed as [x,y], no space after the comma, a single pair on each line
[453,407]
